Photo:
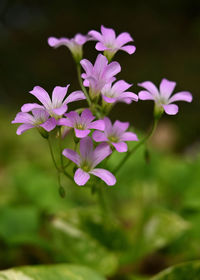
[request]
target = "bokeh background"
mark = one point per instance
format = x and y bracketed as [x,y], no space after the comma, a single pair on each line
[156,204]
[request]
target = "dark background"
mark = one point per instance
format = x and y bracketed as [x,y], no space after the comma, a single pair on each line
[166,34]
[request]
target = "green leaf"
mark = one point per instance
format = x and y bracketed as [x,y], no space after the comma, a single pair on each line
[50,272]
[72,244]
[185,271]
[18,224]
[157,228]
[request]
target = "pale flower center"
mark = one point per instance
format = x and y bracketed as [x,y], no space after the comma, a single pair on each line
[86,166]
[113,138]
[80,126]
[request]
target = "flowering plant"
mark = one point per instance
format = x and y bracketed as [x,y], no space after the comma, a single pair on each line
[94,135]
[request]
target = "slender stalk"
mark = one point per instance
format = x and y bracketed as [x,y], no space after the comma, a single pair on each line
[129,153]
[56,166]
[105,209]
[82,86]
[60,147]
[52,155]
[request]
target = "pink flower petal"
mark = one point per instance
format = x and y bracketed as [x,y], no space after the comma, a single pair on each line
[128,95]
[86,148]
[121,125]
[171,109]
[81,133]
[121,86]
[145,95]
[100,64]
[99,124]
[129,49]
[40,115]
[60,111]
[42,96]
[23,127]
[149,86]
[86,116]
[112,69]
[81,177]
[129,136]
[109,99]
[22,117]
[104,175]
[55,42]
[74,117]
[100,47]
[87,66]
[102,151]
[30,106]
[96,35]
[121,147]
[72,155]
[166,88]
[75,96]
[58,95]
[181,96]
[99,136]
[108,126]
[81,39]
[49,125]
[65,122]
[108,34]
[123,39]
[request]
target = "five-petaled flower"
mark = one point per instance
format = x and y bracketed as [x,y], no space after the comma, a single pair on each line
[75,44]
[82,124]
[88,159]
[110,44]
[58,105]
[117,93]
[115,135]
[162,97]
[39,118]
[97,76]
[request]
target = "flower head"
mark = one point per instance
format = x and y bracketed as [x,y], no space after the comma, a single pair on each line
[81,124]
[162,97]
[39,118]
[75,44]
[58,105]
[97,76]
[115,135]
[110,44]
[117,93]
[88,159]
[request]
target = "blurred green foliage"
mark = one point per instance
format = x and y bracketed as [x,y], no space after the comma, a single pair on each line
[153,221]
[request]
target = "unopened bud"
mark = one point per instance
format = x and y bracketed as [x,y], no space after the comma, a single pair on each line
[62,191]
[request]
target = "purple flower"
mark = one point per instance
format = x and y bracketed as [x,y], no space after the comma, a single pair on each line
[162,97]
[118,93]
[97,76]
[88,160]
[75,44]
[81,124]
[110,44]
[40,118]
[58,105]
[115,135]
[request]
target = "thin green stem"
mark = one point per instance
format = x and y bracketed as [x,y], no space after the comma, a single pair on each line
[129,153]
[60,147]
[52,155]
[82,86]
[103,201]
[68,175]
[55,164]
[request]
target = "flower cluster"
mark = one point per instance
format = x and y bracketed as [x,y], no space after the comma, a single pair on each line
[101,89]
